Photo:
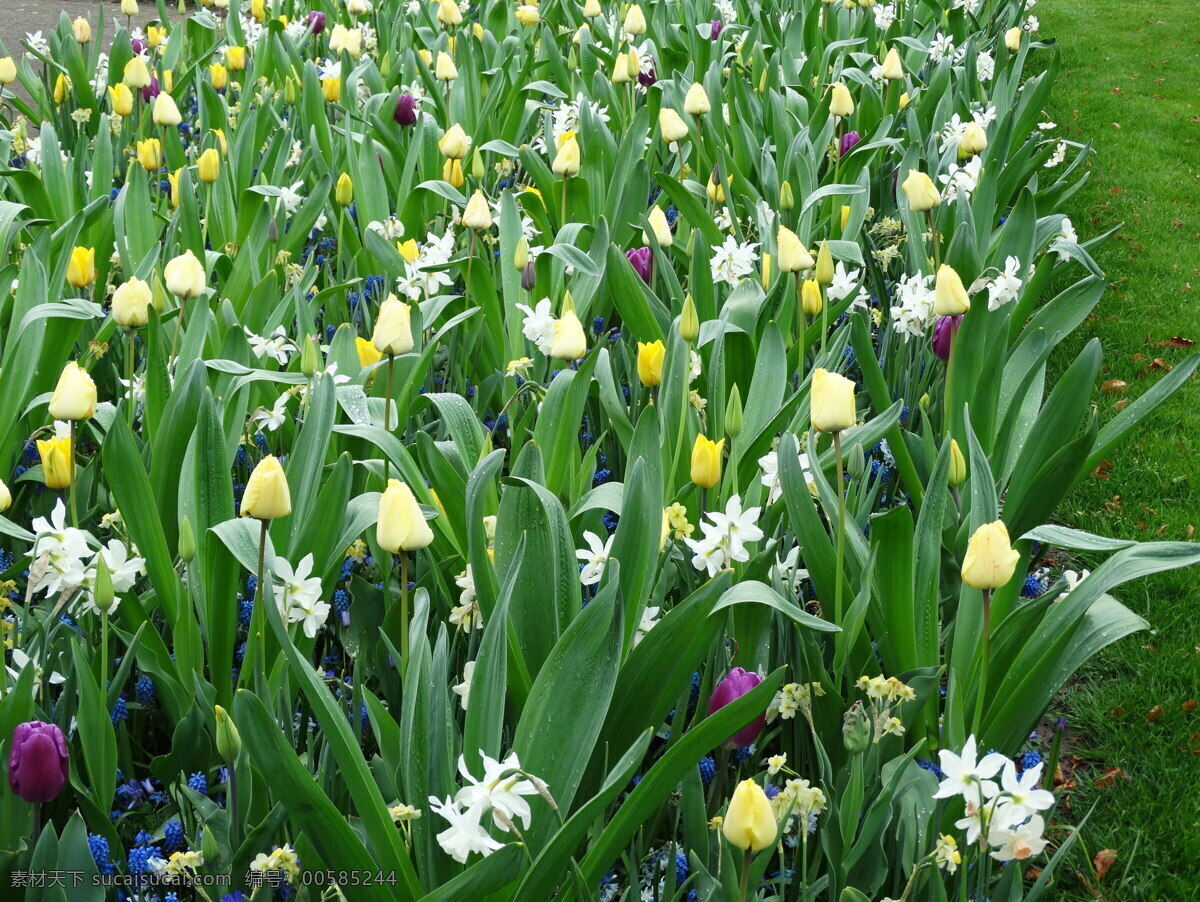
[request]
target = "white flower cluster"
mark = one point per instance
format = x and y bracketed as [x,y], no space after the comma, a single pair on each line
[69,562]
[499,792]
[426,275]
[912,315]
[725,537]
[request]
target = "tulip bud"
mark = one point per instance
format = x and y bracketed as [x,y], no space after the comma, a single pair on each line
[229,740]
[1012,39]
[82,30]
[185,276]
[695,103]
[570,342]
[452,173]
[266,496]
[950,297]
[38,765]
[187,540]
[74,396]
[921,192]
[620,73]
[401,524]
[219,75]
[671,124]
[55,455]
[892,69]
[734,418]
[165,112]
[990,559]
[5,497]
[331,89]
[393,327]
[208,167]
[811,301]
[786,198]
[974,140]
[856,463]
[344,193]
[715,191]
[121,98]
[840,101]
[765,277]
[567,161]
[448,13]
[705,468]
[131,303]
[478,215]
[904,98]
[845,216]
[650,359]
[406,110]
[272,231]
[529,276]
[591,8]
[824,270]
[149,154]
[310,357]
[831,402]
[81,267]
[735,684]
[958,465]
[689,321]
[661,228]
[635,21]
[368,355]
[8,70]
[528,15]
[856,729]
[103,594]
[455,143]
[793,256]
[445,69]
[749,821]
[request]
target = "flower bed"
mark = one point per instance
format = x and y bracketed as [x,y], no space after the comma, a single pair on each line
[537,452]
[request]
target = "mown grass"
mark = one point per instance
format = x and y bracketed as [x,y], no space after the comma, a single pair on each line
[1128,84]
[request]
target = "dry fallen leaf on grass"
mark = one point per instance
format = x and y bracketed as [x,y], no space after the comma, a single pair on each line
[1103,861]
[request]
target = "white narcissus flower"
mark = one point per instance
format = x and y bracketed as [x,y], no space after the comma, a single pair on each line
[500,790]
[123,569]
[299,595]
[1023,842]
[463,689]
[843,283]
[64,548]
[1007,285]
[731,262]
[1021,796]
[538,326]
[277,345]
[967,778]
[594,558]
[464,835]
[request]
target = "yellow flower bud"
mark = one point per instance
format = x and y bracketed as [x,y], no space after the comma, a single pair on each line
[635,21]
[368,355]
[121,98]
[131,303]
[331,89]
[219,75]
[840,101]
[958,465]
[55,454]
[62,86]
[478,215]
[208,167]
[950,297]
[521,255]
[74,396]
[8,70]
[5,497]
[149,154]
[749,822]
[706,462]
[393,327]
[786,199]
[166,113]
[81,268]
[267,496]
[810,297]
[845,215]
[660,227]
[137,74]
[695,102]
[236,58]
[620,73]
[990,559]
[173,180]
[570,342]
[448,13]
[1012,39]
[671,124]
[445,70]
[455,143]
[154,36]
[528,15]
[82,30]
[401,524]
[591,8]
[185,276]
[825,271]
[408,249]
[765,276]
[689,321]
[831,402]
[566,161]
[892,69]
[793,256]
[650,359]
[974,140]
[344,193]
[452,174]
[921,193]
[904,98]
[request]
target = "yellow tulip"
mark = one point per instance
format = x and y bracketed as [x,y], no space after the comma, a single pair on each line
[258,10]
[121,98]
[477,215]
[149,154]
[455,143]
[706,462]
[448,13]
[267,496]
[950,297]
[401,524]
[8,70]
[62,86]
[810,297]
[840,101]
[793,255]
[660,227]
[74,396]
[209,165]
[635,21]
[671,124]
[921,192]
[82,30]
[219,75]
[131,303]
[650,359]
[990,559]
[452,174]
[344,193]
[831,402]
[56,461]
[591,9]
[749,821]
[367,354]
[958,465]
[1012,39]
[974,140]
[892,69]
[845,216]
[331,89]
[5,497]
[137,75]
[445,70]
[567,160]
[570,342]
[81,268]
[695,102]
[236,58]
[620,73]
[220,133]
[155,35]
[165,111]
[393,327]
[185,276]
[528,15]
[408,249]
[173,180]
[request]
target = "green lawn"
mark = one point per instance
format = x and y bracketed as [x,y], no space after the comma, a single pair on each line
[1130,84]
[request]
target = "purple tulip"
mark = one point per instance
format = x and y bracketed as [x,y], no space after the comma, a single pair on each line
[316,21]
[648,77]
[848,141]
[943,334]
[639,258]
[151,90]
[138,45]
[406,110]
[736,684]
[716,28]
[37,765]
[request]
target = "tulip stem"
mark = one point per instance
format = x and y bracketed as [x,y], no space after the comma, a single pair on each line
[403,611]
[824,317]
[841,539]
[471,258]
[129,368]
[563,218]
[745,881]
[981,700]
[949,414]
[387,416]
[104,651]
[71,477]
[260,600]
[933,232]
